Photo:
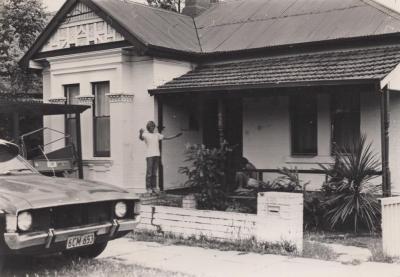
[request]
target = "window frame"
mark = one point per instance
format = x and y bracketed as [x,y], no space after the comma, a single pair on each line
[332,116]
[67,117]
[96,152]
[292,116]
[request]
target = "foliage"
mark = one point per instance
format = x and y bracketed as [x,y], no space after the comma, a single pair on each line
[206,172]
[350,195]
[289,181]
[243,245]
[171,5]
[21,21]
[314,211]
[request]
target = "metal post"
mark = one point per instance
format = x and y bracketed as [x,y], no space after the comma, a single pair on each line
[385,121]
[221,121]
[160,120]
[79,144]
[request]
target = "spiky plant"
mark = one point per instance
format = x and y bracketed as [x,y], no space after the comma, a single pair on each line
[351,196]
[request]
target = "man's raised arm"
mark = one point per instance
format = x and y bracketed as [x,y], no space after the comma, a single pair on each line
[177,135]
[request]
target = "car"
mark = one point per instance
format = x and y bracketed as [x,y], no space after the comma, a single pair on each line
[43,215]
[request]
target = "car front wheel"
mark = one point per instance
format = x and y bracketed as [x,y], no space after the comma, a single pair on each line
[2,262]
[88,252]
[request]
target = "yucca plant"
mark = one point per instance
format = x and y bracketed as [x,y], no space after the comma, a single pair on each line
[350,194]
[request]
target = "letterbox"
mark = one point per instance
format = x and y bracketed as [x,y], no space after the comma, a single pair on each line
[280,218]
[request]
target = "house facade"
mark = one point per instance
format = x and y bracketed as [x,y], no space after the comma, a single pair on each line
[280,81]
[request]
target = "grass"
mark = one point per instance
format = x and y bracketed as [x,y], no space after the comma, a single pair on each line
[314,245]
[310,249]
[58,266]
[246,245]
[317,250]
[373,242]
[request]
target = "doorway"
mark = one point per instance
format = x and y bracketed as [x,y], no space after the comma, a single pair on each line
[233,130]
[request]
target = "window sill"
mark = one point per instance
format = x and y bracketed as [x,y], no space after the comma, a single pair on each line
[308,160]
[98,161]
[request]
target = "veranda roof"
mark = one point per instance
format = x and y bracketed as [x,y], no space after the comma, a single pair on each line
[330,67]
[39,108]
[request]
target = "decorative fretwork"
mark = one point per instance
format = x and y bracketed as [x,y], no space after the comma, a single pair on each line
[120,98]
[81,27]
[58,100]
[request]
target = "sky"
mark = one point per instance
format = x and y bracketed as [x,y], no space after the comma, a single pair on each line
[54,5]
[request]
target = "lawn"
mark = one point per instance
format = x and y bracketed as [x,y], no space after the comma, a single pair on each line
[316,244]
[58,266]
[373,242]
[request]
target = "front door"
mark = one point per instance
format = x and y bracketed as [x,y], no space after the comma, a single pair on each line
[233,130]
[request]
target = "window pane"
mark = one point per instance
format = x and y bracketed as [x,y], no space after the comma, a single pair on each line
[71,131]
[304,124]
[71,95]
[102,135]
[345,118]
[101,119]
[101,100]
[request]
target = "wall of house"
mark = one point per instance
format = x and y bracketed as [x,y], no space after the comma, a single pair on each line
[266,133]
[394,131]
[84,70]
[175,119]
[131,107]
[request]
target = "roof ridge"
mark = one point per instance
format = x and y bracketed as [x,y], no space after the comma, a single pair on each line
[388,11]
[154,8]
[283,16]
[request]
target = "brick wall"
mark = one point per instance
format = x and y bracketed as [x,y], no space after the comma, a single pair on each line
[188,222]
[279,218]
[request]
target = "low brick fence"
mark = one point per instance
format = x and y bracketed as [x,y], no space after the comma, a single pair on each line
[188,222]
[280,218]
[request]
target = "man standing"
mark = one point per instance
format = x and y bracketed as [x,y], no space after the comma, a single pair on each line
[152,140]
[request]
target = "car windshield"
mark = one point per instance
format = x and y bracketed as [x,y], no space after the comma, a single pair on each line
[17,165]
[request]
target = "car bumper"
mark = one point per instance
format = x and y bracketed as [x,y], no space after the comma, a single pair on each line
[17,241]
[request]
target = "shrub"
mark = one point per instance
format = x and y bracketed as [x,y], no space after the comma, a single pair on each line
[289,181]
[206,172]
[350,195]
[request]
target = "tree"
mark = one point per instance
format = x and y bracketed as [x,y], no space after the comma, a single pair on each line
[172,5]
[21,21]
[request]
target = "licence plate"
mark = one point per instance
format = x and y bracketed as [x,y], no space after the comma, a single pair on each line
[78,241]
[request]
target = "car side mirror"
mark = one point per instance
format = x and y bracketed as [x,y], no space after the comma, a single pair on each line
[8,150]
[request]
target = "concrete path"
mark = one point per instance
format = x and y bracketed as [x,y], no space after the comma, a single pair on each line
[206,262]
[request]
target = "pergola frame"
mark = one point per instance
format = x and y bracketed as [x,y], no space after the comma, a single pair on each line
[15,108]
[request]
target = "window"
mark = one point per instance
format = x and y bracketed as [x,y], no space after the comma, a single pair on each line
[303,113]
[101,119]
[71,92]
[345,114]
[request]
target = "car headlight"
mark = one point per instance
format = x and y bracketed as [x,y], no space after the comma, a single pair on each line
[120,209]
[24,221]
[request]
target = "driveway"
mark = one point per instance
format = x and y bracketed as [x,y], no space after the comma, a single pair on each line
[207,262]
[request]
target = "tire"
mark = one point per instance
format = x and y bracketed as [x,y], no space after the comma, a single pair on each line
[2,263]
[88,252]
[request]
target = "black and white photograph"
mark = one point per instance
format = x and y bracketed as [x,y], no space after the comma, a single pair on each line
[199,138]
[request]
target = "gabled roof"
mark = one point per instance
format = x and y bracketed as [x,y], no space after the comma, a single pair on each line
[247,24]
[235,25]
[332,67]
[152,26]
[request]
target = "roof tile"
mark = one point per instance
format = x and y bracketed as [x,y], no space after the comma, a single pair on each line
[354,64]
